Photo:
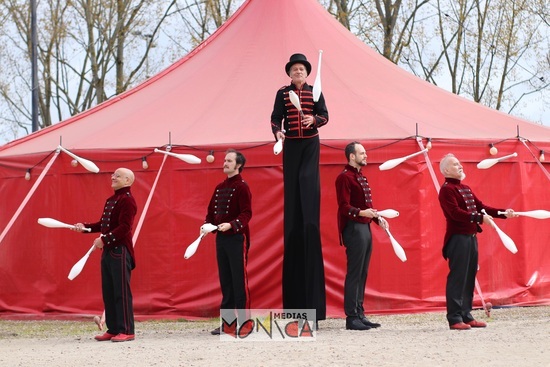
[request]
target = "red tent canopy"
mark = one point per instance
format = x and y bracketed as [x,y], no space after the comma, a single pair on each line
[220,96]
[223,92]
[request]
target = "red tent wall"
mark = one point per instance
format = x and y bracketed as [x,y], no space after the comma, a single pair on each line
[35,261]
[222,92]
[220,96]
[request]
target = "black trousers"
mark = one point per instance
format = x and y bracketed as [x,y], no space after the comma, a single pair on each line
[462,255]
[303,268]
[358,242]
[116,268]
[232,257]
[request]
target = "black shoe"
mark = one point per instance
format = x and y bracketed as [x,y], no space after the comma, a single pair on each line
[216,331]
[366,321]
[355,323]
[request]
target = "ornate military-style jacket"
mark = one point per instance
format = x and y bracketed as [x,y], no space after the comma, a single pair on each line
[117,220]
[353,194]
[462,209]
[231,203]
[286,116]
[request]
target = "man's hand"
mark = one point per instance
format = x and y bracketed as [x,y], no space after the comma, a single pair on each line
[487,219]
[510,213]
[224,227]
[382,222]
[98,243]
[369,213]
[308,120]
[78,227]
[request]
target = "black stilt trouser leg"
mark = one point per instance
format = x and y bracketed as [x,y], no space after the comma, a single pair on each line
[303,268]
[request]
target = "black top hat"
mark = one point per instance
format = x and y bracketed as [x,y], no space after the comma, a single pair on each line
[298,59]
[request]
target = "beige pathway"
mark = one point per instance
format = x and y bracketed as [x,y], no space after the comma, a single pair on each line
[515,337]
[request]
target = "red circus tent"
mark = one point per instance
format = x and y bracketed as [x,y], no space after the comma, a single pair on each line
[220,96]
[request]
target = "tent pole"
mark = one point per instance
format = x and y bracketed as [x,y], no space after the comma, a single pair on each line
[429,164]
[146,207]
[536,159]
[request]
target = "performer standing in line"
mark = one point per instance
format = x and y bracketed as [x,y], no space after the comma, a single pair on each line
[230,209]
[303,268]
[117,259]
[355,213]
[462,210]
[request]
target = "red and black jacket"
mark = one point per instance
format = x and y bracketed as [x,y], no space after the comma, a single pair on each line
[286,116]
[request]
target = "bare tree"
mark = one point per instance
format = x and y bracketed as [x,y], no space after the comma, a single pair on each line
[203,17]
[83,47]
[220,10]
[340,10]
[386,25]
[489,51]
[396,38]
[485,45]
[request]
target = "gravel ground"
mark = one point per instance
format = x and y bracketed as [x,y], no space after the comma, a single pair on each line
[514,337]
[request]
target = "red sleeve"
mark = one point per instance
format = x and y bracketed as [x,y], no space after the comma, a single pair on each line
[493,212]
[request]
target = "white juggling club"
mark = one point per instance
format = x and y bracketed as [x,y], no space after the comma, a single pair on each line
[397,161]
[192,248]
[296,102]
[388,213]
[486,307]
[53,223]
[397,247]
[77,268]
[317,84]
[537,214]
[490,162]
[89,165]
[506,240]
[278,147]
[188,158]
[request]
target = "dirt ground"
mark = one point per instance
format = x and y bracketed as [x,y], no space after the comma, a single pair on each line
[517,336]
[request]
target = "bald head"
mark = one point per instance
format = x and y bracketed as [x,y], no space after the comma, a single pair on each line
[122,177]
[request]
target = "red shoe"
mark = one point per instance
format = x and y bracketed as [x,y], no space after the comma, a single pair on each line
[123,338]
[246,329]
[460,326]
[104,337]
[475,323]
